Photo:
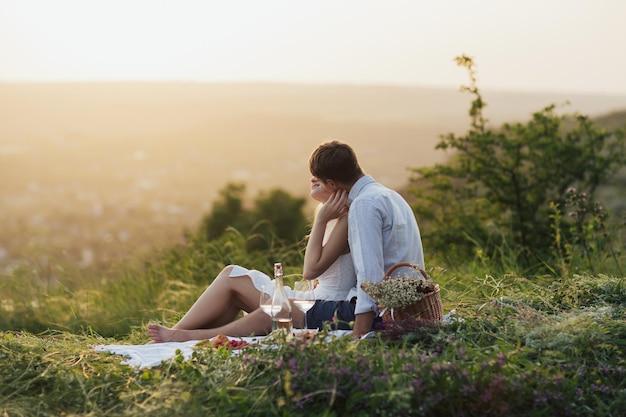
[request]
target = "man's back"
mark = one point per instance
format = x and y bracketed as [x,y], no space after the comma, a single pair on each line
[382,231]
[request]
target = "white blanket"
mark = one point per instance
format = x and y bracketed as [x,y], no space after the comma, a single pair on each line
[152,354]
[146,356]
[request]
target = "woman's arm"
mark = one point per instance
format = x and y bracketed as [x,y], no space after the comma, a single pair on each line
[319,257]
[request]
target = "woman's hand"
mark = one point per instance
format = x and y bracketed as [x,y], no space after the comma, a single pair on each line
[336,206]
[320,254]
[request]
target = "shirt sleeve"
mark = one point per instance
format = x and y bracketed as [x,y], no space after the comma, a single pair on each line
[365,235]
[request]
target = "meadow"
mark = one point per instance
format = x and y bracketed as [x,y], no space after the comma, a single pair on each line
[100,239]
[518,346]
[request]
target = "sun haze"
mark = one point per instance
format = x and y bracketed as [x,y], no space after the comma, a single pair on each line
[535,45]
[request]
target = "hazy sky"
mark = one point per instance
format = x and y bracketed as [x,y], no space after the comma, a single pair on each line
[529,45]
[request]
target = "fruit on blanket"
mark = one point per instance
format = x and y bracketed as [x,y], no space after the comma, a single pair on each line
[222,340]
[237,344]
[308,335]
[219,340]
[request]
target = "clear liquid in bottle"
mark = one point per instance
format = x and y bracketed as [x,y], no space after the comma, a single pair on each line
[281,308]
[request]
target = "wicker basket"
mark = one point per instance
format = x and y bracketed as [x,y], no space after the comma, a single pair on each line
[428,307]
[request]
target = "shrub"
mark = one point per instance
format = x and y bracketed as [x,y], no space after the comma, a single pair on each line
[498,185]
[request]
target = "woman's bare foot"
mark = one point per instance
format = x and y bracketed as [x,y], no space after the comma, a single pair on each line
[160,334]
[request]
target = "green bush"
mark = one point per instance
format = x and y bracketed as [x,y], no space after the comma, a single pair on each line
[498,185]
[276,215]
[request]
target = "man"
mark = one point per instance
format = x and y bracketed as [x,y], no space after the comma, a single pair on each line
[382,229]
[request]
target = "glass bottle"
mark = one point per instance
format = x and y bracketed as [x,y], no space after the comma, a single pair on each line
[281,308]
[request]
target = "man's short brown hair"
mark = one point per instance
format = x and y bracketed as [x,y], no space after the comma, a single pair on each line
[335,160]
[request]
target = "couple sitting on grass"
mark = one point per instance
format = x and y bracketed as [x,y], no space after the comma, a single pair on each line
[360,230]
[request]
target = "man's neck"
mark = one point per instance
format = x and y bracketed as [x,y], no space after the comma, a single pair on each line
[348,187]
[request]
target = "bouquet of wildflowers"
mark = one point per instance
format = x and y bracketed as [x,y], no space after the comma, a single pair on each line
[400,292]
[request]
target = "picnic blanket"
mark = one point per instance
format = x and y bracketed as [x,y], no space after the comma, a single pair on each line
[153,354]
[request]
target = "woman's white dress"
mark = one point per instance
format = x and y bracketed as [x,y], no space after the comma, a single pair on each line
[334,284]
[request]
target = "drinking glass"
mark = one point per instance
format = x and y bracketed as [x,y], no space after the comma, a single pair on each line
[265,302]
[303,296]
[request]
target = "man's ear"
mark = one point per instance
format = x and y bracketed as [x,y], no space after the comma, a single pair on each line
[331,185]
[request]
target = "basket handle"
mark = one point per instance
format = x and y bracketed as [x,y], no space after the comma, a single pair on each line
[410,265]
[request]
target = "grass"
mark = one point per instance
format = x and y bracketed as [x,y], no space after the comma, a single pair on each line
[519,346]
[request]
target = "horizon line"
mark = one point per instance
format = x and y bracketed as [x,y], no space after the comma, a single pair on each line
[492,89]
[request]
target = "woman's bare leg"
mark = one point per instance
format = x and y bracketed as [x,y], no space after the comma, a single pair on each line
[215,311]
[257,323]
[221,302]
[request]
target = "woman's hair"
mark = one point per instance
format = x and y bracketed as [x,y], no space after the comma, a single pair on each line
[335,160]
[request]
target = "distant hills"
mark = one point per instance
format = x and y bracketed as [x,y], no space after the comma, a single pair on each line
[613,120]
[257,132]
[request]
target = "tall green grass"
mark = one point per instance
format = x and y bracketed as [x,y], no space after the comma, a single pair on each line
[515,348]
[112,301]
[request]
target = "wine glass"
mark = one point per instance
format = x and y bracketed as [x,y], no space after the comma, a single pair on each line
[303,296]
[265,302]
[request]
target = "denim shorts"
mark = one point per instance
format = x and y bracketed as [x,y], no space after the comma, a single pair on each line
[340,314]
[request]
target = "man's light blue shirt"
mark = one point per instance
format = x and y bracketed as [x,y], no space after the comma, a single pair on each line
[382,231]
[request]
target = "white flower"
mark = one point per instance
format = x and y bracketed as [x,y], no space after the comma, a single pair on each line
[398,292]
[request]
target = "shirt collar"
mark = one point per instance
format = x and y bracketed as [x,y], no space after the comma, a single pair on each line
[358,186]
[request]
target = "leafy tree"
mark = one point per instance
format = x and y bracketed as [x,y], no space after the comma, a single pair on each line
[227,211]
[279,215]
[276,215]
[498,185]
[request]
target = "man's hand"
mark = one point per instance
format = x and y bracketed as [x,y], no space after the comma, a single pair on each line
[363,324]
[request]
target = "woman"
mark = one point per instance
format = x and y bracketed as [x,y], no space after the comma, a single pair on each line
[237,289]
